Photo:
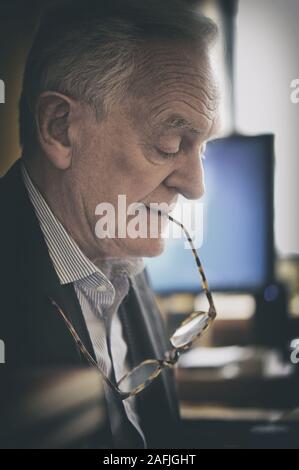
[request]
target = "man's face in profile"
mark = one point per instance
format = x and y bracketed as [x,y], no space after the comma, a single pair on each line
[148,148]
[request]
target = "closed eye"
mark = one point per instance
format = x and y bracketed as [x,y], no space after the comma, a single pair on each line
[168,155]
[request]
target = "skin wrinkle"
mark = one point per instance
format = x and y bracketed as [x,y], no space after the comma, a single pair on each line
[210,98]
[192,96]
[159,112]
[170,77]
[156,113]
[166,78]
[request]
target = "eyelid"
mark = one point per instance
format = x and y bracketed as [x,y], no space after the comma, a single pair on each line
[168,154]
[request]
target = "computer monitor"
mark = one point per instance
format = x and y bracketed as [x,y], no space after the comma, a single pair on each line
[237,250]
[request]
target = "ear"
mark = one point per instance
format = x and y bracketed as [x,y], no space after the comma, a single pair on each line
[55,116]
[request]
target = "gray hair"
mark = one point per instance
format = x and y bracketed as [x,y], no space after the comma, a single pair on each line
[88,49]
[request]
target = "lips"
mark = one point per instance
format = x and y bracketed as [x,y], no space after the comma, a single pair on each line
[154,209]
[169,204]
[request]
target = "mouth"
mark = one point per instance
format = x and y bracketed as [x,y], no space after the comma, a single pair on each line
[159,211]
[151,207]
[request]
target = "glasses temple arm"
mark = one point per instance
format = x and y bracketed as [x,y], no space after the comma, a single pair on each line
[204,281]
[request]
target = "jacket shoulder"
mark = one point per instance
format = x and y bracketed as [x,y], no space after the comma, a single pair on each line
[11,188]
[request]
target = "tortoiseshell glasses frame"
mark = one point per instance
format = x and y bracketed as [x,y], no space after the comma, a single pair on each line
[183,338]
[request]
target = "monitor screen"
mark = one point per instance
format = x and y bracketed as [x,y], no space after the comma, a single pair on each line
[237,243]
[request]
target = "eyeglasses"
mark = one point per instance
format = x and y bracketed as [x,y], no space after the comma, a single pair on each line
[183,338]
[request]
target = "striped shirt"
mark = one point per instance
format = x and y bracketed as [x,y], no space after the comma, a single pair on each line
[100,292]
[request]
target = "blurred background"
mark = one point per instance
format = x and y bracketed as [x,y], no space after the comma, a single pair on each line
[239,387]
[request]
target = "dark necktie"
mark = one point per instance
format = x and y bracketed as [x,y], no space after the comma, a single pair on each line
[124,433]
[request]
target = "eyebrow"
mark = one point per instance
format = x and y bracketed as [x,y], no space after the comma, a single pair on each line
[179,122]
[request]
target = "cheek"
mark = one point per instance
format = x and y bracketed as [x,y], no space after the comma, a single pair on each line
[135,175]
[139,185]
[118,166]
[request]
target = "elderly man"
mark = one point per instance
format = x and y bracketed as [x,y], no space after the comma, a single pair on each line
[118,98]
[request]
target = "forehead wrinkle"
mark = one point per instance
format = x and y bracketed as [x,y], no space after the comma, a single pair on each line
[198,85]
[188,78]
[198,79]
[167,107]
[162,72]
[200,107]
[212,102]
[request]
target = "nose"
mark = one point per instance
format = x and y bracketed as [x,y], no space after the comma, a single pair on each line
[188,178]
